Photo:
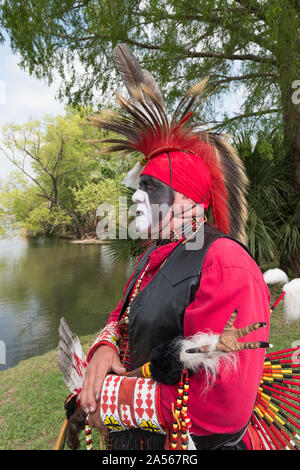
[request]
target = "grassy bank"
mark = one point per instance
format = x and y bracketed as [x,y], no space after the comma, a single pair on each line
[32,394]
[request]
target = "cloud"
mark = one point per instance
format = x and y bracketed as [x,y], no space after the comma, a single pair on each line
[23,97]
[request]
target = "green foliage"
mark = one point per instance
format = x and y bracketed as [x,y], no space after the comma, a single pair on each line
[89,197]
[273,232]
[44,220]
[247,47]
[16,201]
[179,41]
[60,178]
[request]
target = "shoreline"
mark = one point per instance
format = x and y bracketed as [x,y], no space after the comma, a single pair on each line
[89,241]
[70,239]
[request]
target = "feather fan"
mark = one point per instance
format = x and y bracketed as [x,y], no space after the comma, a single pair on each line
[71,358]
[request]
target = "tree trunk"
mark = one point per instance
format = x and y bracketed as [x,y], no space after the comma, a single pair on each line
[291,123]
[79,228]
[288,59]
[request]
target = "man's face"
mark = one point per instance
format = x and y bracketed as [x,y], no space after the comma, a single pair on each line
[153,199]
[158,192]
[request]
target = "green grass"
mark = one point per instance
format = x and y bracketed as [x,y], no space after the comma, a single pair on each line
[32,394]
[282,334]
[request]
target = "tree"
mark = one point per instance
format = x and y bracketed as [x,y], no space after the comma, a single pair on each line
[21,207]
[88,199]
[250,45]
[54,157]
[273,236]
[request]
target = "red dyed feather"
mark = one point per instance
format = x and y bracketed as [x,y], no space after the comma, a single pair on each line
[183,138]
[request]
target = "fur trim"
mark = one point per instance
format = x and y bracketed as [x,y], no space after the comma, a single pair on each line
[292,300]
[137,439]
[165,365]
[274,276]
[209,362]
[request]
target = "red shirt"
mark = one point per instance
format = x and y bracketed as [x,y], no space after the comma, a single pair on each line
[230,279]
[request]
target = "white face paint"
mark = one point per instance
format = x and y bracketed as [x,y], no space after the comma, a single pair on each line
[143,218]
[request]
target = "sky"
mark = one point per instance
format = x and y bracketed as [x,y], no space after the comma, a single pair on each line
[22,97]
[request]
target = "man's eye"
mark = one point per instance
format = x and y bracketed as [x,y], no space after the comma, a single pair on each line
[145,186]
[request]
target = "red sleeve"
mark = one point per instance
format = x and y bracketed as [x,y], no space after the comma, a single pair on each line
[230,279]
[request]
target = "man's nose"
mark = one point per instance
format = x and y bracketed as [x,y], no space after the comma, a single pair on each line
[138,196]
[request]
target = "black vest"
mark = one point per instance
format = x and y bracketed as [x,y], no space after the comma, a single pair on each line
[157,313]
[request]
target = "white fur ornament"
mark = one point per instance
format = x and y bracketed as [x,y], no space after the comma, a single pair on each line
[292,300]
[275,276]
[210,361]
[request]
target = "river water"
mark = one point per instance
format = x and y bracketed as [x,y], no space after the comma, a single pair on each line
[43,280]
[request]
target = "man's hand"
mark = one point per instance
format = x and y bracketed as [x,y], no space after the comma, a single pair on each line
[95,421]
[104,360]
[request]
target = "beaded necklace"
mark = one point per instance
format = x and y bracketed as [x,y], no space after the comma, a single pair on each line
[124,321]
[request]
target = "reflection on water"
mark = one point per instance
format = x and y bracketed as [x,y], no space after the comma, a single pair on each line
[43,280]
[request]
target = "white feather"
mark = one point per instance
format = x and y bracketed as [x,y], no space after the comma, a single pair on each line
[292,300]
[209,362]
[71,358]
[274,276]
[191,445]
[131,180]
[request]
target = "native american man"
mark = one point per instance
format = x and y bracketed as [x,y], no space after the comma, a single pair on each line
[177,306]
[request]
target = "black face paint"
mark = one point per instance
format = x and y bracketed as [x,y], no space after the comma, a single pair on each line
[161,197]
[158,192]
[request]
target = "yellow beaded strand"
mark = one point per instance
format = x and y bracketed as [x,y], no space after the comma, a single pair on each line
[88,435]
[181,421]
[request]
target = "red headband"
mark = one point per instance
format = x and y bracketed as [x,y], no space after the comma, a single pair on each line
[189,174]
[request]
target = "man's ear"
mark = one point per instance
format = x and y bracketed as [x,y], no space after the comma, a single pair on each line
[181,198]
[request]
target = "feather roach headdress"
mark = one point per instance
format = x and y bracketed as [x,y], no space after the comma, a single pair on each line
[146,128]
